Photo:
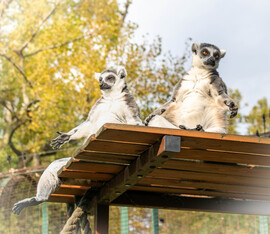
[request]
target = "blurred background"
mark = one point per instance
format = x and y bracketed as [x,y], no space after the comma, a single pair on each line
[49,52]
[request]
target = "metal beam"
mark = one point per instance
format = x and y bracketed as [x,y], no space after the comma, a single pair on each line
[152,158]
[169,201]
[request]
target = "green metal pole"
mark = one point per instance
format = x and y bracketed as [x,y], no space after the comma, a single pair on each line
[263,220]
[45,220]
[155,221]
[124,220]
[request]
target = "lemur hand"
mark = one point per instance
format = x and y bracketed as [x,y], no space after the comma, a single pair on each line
[152,115]
[232,107]
[57,142]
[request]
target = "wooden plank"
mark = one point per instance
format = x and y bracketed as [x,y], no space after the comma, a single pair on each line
[81,182]
[142,166]
[169,201]
[94,167]
[61,198]
[200,166]
[95,156]
[71,190]
[85,175]
[116,147]
[209,177]
[190,184]
[193,139]
[182,191]
[220,156]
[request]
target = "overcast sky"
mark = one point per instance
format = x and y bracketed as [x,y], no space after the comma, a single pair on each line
[241,27]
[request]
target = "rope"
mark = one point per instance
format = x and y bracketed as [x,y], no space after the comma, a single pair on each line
[73,221]
[85,224]
[71,224]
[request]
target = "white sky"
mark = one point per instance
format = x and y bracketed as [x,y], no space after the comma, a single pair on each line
[241,27]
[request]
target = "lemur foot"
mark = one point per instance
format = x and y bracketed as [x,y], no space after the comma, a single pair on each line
[183,127]
[198,128]
[57,142]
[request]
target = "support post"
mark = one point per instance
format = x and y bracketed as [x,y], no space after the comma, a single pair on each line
[263,220]
[155,221]
[124,220]
[45,221]
[102,219]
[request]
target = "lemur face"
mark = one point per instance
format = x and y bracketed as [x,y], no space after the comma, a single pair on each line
[112,79]
[206,55]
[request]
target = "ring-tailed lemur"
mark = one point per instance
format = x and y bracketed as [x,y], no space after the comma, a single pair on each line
[116,105]
[199,100]
[47,184]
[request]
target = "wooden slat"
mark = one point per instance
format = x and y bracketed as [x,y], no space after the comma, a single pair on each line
[81,182]
[71,190]
[85,175]
[116,147]
[189,184]
[199,192]
[210,177]
[142,166]
[220,156]
[194,139]
[170,201]
[200,166]
[104,157]
[95,167]
[61,198]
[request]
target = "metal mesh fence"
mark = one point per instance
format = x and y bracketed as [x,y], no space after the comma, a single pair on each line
[31,220]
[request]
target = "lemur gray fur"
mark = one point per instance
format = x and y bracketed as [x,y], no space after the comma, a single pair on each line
[116,105]
[47,184]
[199,100]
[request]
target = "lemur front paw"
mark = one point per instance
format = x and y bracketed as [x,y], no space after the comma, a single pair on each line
[151,116]
[232,107]
[57,142]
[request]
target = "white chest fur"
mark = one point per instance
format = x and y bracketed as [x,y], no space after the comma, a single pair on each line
[193,101]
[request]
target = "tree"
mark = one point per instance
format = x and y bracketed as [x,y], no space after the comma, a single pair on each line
[49,51]
[259,117]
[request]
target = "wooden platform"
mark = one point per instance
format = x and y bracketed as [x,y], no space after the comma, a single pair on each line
[168,168]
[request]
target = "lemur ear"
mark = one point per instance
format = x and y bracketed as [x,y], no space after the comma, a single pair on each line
[222,53]
[121,71]
[97,75]
[195,47]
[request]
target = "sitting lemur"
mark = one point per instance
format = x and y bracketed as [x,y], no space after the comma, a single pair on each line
[116,105]
[199,100]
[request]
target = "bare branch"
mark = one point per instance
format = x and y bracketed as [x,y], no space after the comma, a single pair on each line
[4,4]
[38,28]
[54,46]
[10,143]
[18,69]
[124,14]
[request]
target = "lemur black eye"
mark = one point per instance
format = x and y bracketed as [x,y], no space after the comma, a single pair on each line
[217,56]
[110,77]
